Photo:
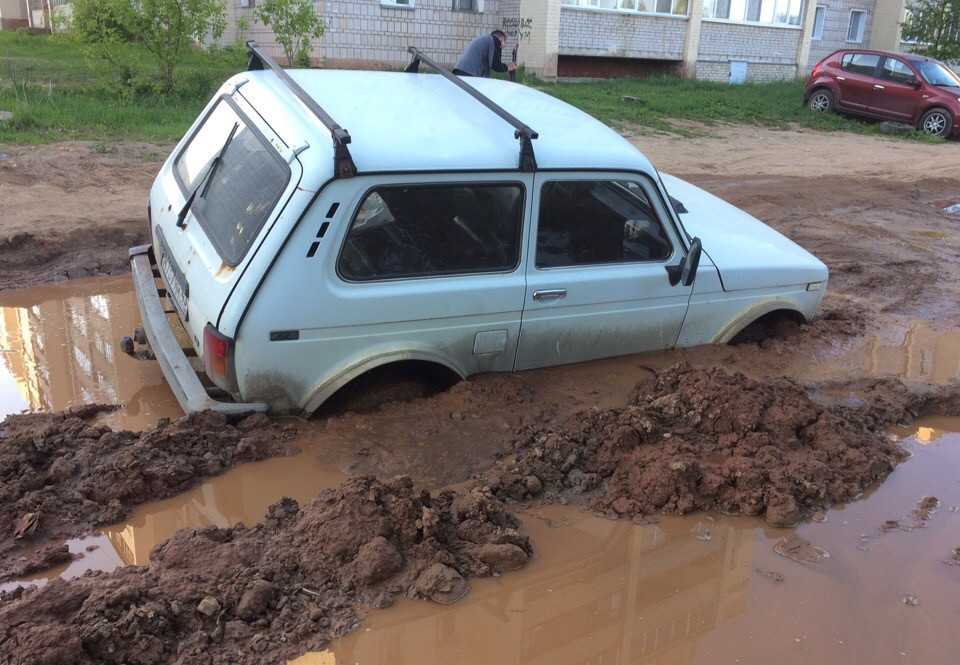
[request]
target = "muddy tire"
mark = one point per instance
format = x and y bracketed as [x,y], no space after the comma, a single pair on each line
[821,101]
[936,122]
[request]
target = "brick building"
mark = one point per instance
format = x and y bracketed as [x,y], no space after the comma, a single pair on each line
[735,40]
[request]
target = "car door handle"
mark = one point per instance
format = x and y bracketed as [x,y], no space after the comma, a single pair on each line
[841,78]
[550,294]
[877,86]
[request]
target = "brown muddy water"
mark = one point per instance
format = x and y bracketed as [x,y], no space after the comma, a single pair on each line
[700,589]
[708,589]
[59,348]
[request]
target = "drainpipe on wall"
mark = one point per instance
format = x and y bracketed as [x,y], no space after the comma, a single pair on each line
[29,13]
[691,42]
[803,48]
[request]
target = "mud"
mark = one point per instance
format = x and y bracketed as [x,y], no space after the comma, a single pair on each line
[617,593]
[72,209]
[62,474]
[252,595]
[708,439]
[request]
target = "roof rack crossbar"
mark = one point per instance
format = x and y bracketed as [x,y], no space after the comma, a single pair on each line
[343,165]
[528,159]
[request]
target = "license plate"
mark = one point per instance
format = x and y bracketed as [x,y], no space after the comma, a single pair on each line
[178,290]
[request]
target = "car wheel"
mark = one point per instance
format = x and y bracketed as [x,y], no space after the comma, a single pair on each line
[821,101]
[936,122]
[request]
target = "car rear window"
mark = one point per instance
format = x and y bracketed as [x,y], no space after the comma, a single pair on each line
[861,63]
[432,230]
[243,190]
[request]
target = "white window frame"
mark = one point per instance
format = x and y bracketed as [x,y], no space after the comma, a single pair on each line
[768,17]
[478,8]
[814,34]
[398,4]
[594,5]
[861,26]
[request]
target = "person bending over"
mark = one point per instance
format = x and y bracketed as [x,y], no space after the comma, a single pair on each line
[483,55]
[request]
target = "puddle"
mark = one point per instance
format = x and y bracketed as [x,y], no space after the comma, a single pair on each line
[241,495]
[59,348]
[924,354]
[602,592]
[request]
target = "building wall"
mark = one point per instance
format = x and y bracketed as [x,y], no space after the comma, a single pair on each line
[368,33]
[836,22]
[592,32]
[770,52]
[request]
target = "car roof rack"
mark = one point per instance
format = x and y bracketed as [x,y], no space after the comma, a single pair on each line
[528,160]
[343,165]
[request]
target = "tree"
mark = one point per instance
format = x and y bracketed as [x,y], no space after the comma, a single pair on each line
[295,24]
[935,27]
[165,28]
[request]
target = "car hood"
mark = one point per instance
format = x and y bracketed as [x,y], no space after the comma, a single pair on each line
[747,252]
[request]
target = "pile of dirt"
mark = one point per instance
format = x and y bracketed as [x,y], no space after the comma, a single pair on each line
[264,594]
[706,439]
[62,474]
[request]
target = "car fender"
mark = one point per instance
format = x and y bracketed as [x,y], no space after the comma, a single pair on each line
[372,359]
[751,314]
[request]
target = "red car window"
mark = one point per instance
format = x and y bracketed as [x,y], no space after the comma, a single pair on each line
[861,63]
[897,71]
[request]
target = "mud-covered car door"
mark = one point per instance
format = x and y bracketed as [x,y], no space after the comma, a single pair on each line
[597,284]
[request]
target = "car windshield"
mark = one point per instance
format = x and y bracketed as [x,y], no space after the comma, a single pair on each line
[938,74]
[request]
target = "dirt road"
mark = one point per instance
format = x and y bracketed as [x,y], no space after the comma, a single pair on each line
[870,208]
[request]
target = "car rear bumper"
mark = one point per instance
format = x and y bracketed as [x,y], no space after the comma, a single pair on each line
[176,367]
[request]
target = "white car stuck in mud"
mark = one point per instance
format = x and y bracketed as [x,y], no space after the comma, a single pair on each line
[441,231]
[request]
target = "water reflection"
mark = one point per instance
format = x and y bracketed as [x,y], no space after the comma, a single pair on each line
[599,592]
[925,354]
[59,349]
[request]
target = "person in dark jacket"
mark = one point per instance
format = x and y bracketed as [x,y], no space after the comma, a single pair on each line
[483,55]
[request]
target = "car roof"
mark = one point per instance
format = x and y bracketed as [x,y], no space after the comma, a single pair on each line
[422,122]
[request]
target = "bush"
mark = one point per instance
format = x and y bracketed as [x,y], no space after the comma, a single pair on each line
[295,25]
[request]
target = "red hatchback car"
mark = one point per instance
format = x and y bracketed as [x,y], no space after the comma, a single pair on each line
[890,86]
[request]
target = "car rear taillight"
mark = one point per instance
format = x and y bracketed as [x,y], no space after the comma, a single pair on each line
[816,71]
[218,358]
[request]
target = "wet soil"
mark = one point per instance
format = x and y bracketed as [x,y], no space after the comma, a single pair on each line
[62,474]
[72,209]
[706,589]
[251,595]
[708,439]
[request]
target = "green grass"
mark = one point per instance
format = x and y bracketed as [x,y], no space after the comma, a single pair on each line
[657,103]
[56,92]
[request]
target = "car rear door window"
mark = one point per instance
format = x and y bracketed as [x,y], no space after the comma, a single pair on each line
[596,222]
[861,63]
[245,187]
[896,71]
[432,230]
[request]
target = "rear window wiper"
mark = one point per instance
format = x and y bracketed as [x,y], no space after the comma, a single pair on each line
[206,178]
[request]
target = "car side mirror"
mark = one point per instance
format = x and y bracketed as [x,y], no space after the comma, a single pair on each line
[686,271]
[689,272]
[915,83]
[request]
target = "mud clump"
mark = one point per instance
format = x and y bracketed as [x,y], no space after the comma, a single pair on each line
[705,439]
[61,474]
[271,592]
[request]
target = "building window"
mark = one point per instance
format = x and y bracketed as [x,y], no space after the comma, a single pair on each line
[468,5]
[769,12]
[674,7]
[397,3]
[858,21]
[818,19]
